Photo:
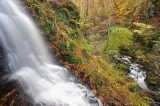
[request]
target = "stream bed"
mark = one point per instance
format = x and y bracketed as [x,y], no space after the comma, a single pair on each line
[135,71]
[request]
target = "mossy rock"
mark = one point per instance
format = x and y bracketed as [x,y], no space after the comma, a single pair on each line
[133,87]
[71,58]
[153,80]
[119,37]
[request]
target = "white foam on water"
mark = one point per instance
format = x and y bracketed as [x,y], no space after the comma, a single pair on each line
[135,73]
[32,66]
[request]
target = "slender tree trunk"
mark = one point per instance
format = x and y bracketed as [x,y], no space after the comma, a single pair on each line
[87,8]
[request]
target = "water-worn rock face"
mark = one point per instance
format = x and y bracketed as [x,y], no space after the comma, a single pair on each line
[10,92]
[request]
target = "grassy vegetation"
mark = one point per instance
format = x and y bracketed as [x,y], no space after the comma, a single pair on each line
[60,23]
[118,37]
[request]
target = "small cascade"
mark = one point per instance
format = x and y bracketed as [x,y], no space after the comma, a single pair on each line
[136,73]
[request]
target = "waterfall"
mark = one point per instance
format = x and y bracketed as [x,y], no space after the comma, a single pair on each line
[32,66]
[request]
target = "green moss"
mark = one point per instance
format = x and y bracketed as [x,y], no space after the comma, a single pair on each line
[62,16]
[122,67]
[74,43]
[118,37]
[47,30]
[72,33]
[139,53]
[71,58]
[133,87]
[52,38]
[87,47]
[63,46]
[156,47]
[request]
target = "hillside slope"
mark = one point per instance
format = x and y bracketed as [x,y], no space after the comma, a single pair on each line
[60,22]
[73,45]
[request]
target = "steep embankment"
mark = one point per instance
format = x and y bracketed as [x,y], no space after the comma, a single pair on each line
[60,23]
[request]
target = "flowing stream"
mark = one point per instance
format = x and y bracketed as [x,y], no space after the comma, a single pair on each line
[136,73]
[32,66]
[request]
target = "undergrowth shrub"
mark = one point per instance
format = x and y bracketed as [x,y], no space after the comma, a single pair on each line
[118,37]
[71,58]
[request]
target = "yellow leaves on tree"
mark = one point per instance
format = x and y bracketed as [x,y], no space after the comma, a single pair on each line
[112,9]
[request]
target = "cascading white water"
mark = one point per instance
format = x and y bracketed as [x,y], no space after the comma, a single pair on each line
[135,72]
[32,66]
